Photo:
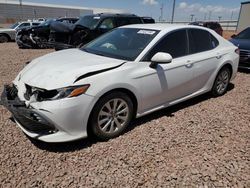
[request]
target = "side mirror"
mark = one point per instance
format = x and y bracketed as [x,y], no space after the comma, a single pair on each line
[160,58]
[233,36]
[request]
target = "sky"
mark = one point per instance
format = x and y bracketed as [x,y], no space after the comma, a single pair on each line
[200,9]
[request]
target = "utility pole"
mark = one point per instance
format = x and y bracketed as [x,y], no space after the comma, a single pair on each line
[161,8]
[219,18]
[192,16]
[172,19]
[205,16]
[210,14]
[21,9]
[231,18]
[34,11]
[232,14]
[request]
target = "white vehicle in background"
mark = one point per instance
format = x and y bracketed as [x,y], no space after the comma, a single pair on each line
[9,34]
[126,73]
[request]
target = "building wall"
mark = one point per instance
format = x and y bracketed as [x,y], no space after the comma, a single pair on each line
[244,18]
[12,12]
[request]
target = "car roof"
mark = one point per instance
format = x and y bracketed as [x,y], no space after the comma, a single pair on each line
[102,15]
[163,26]
[25,22]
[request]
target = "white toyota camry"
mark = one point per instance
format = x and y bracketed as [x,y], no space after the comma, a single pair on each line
[126,73]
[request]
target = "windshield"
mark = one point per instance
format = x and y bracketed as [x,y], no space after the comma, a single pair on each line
[89,21]
[47,23]
[14,25]
[121,43]
[245,34]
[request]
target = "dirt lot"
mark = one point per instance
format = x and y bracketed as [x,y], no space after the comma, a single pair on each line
[204,142]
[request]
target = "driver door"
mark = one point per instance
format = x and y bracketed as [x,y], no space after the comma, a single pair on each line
[167,82]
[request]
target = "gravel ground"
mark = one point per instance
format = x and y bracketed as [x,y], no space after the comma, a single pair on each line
[204,142]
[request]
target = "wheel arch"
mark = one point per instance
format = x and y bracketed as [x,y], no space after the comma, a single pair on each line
[5,34]
[229,65]
[128,92]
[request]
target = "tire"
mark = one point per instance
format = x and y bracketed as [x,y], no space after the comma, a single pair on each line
[111,116]
[221,82]
[3,38]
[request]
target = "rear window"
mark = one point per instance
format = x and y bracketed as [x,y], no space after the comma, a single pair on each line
[35,24]
[201,40]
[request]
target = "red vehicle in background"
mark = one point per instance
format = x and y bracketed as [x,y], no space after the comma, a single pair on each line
[211,25]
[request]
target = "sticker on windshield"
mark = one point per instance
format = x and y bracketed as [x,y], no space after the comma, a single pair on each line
[146,32]
[96,17]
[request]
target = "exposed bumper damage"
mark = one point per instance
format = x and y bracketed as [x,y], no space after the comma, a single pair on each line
[30,119]
[49,121]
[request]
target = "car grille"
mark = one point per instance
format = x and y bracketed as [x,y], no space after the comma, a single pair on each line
[33,122]
[244,55]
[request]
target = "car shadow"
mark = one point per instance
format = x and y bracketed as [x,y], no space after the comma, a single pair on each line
[85,143]
[170,111]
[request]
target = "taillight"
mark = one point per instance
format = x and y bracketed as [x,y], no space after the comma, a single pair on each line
[237,51]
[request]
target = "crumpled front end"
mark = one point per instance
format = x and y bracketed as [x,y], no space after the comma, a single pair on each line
[30,119]
[50,121]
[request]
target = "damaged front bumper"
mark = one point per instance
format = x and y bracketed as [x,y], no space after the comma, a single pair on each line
[29,119]
[49,121]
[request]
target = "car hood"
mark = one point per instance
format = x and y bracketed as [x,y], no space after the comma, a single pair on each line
[63,68]
[6,29]
[241,43]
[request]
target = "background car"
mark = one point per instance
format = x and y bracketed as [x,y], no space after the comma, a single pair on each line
[211,25]
[8,34]
[88,28]
[128,72]
[242,40]
[38,36]
[148,20]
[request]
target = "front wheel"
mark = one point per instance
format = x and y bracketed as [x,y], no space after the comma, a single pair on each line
[221,82]
[3,39]
[111,115]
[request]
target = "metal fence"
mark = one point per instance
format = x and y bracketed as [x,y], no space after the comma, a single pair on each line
[227,25]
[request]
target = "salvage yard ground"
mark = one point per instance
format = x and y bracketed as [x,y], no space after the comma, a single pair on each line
[202,142]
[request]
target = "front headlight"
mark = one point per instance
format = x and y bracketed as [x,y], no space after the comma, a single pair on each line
[47,95]
[69,92]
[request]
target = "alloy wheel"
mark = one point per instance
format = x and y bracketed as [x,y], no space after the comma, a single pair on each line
[222,81]
[113,115]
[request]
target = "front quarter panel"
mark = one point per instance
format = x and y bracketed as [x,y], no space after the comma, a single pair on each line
[119,78]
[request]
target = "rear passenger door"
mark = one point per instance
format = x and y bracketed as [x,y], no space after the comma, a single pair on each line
[204,56]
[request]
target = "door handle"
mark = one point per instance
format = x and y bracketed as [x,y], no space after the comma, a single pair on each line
[189,64]
[218,56]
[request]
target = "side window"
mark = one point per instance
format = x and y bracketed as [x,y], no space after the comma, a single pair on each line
[214,41]
[35,24]
[122,21]
[24,25]
[107,24]
[201,40]
[65,21]
[135,21]
[174,43]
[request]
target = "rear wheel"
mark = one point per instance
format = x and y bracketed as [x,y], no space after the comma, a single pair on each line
[111,115]
[3,38]
[221,82]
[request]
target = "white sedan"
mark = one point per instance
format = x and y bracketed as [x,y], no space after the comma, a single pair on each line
[126,73]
